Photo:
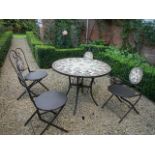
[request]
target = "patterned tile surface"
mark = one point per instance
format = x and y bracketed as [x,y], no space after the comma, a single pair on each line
[81,67]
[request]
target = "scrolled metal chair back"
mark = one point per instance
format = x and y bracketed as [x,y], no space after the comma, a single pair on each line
[14,60]
[88,55]
[16,64]
[22,58]
[135,75]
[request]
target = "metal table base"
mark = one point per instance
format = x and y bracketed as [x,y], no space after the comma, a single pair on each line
[80,85]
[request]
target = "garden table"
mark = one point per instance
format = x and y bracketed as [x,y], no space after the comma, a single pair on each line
[80,68]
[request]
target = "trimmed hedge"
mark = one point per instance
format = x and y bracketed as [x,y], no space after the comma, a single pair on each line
[93,48]
[45,55]
[33,41]
[45,60]
[121,63]
[5,41]
[121,66]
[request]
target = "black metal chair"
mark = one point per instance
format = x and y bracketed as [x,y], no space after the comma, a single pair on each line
[18,56]
[48,102]
[123,92]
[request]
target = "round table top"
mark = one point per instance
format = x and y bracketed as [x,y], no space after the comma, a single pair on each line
[81,67]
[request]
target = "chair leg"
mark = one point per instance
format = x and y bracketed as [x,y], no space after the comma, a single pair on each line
[35,95]
[51,122]
[43,85]
[125,115]
[21,94]
[118,98]
[131,108]
[47,126]
[130,104]
[107,101]
[30,118]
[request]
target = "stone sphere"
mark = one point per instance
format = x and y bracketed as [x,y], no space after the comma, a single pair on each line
[64,33]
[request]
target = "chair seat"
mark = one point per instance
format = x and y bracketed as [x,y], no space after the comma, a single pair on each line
[50,100]
[122,90]
[36,75]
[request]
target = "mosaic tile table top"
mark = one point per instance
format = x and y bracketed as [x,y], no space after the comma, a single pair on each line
[81,67]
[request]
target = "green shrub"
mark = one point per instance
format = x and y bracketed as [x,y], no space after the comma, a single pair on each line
[45,54]
[122,64]
[5,41]
[93,48]
[97,42]
[33,41]
[19,25]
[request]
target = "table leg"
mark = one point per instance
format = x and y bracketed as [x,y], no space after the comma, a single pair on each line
[69,86]
[77,95]
[91,92]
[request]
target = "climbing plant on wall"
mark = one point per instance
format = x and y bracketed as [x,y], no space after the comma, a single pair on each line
[144,33]
[54,29]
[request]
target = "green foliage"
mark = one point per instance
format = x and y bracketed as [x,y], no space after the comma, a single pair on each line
[148,33]
[2,28]
[93,47]
[128,27]
[5,41]
[20,25]
[33,40]
[54,28]
[144,34]
[46,54]
[97,42]
[122,64]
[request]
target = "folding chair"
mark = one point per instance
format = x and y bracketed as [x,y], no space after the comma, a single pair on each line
[123,92]
[48,102]
[18,56]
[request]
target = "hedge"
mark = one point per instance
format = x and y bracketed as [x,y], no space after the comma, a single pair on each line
[5,42]
[32,41]
[93,48]
[121,66]
[121,63]
[45,55]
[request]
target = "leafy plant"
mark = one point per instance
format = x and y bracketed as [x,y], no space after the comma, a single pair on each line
[5,41]
[20,25]
[54,28]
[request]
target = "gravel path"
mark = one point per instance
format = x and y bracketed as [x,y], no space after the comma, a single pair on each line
[89,118]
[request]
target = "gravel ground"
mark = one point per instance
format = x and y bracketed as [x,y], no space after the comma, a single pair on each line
[89,119]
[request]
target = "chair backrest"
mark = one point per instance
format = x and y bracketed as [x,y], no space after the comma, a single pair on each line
[88,55]
[23,59]
[136,75]
[17,65]
[15,60]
